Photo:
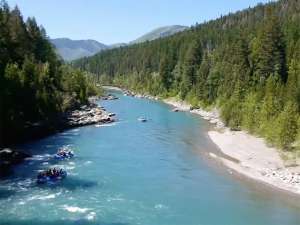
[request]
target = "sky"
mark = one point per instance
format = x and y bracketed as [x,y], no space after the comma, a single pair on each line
[119,21]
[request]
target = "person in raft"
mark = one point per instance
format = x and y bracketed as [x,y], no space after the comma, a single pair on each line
[52,173]
[64,153]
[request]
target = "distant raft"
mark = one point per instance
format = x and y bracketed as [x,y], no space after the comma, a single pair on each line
[64,153]
[51,176]
[142,119]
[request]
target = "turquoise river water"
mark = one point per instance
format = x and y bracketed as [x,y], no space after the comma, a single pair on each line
[131,173]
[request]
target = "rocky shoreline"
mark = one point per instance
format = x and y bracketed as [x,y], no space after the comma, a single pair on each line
[109,97]
[137,95]
[87,115]
[84,115]
[212,116]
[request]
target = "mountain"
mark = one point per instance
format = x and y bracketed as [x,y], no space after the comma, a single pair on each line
[74,49]
[160,32]
[117,45]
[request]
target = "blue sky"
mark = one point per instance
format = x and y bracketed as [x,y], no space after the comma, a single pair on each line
[114,21]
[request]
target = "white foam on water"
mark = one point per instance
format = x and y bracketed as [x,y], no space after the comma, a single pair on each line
[71,163]
[39,157]
[44,197]
[91,216]
[75,209]
[24,184]
[21,203]
[75,130]
[87,162]
[115,199]
[105,125]
[73,174]
[57,166]
[69,167]
[47,197]
[23,188]
[160,206]
[45,163]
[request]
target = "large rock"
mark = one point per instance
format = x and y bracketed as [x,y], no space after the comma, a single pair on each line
[8,158]
[109,97]
[88,115]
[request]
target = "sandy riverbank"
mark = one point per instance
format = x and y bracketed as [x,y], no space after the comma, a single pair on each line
[253,158]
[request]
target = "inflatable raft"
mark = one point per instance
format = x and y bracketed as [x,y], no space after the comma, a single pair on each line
[142,119]
[64,155]
[51,179]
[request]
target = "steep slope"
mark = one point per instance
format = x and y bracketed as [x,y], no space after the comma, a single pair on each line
[74,49]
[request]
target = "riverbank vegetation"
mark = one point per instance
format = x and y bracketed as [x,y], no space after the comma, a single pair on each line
[35,85]
[247,64]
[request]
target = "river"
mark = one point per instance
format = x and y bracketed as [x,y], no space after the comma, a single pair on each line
[130,173]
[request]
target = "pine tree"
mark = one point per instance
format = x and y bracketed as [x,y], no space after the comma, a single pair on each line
[202,74]
[293,83]
[269,50]
[18,36]
[250,112]
[270,107]
[191,63]
[286,126]
[232,109]
[165,73]
[240,62]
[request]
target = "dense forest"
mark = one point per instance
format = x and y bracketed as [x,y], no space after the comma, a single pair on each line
[247,64]
[35,85]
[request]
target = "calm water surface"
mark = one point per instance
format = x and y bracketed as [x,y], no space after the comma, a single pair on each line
[131,173]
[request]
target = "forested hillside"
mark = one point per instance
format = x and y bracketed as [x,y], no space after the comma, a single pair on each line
[34,85]
[247,64]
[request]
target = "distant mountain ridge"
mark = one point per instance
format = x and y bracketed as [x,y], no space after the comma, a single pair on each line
[160,32]
[74,49]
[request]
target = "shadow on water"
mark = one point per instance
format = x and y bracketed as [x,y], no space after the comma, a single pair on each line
[71,184]
[6,193]
[59,222]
